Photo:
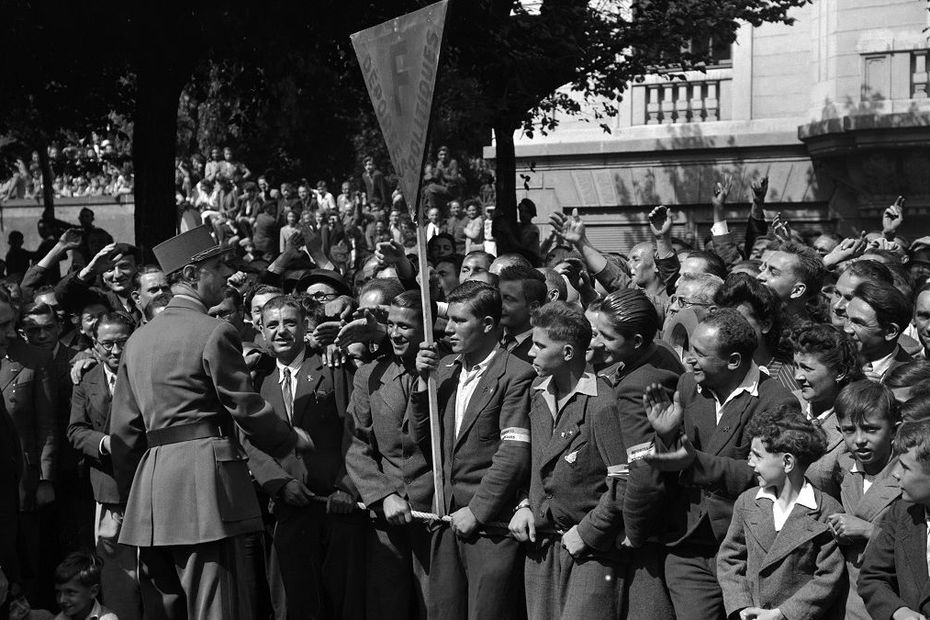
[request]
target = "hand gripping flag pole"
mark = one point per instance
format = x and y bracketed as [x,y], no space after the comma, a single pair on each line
[400,62]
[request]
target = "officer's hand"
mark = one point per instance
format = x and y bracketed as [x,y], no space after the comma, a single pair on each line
[45,493]
[572,542]
[464,522]
[296,493]
[523,525]
[396,510]
[339,503]
[427,359]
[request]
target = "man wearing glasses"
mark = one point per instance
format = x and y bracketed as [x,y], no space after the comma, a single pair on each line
[89,433]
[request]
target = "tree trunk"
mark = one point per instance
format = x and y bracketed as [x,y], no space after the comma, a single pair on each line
[48,179]
[155,120]
[506,163]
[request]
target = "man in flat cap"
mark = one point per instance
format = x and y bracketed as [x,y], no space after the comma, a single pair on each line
[180,390]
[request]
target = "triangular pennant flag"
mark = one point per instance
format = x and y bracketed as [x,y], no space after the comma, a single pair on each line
[400,61]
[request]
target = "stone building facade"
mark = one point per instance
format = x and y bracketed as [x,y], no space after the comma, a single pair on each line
[834,109]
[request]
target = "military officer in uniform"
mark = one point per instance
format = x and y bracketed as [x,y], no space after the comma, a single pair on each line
[181,387]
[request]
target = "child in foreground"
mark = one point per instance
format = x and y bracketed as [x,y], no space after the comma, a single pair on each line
[867,416]
[779,558]
[77,584]
[893,579]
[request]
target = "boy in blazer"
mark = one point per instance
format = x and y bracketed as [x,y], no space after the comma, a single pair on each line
[320,546]
[483,401]
[701,439]
[523,291]
[390,471]
[893,580]
[779,558]
[89,433]
[867,417]
[577,478]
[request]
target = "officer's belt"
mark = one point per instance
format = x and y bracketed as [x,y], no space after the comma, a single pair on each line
[177,433]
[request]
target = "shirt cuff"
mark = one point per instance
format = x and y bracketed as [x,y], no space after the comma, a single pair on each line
[100,447]
[719,228]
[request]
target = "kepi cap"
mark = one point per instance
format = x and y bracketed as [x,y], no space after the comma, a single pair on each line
[192,246]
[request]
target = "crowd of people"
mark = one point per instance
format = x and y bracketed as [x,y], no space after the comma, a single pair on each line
[243,428]
[98,166]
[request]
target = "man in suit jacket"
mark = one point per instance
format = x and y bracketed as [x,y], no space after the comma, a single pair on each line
[876,317]
[88,432]
[627,356]
[324,540]
[700,436]
[180,387]
[390,470]
[523,291]
[483,400]
[116,266]
[29,398]
[375,185]
[577,478]
[894,580]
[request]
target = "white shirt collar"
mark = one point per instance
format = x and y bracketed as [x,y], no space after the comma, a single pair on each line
[480,366]
[805,497]
[750,384]
[587,385]
[294,366]
[881,366]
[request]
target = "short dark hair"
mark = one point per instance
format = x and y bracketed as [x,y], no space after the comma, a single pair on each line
[914,434]
[564,323]
[36,310]
[735,334]
[861,398]
[115,318]
[833,348]
[412,300]
[907,375]
[533,282]
[715,264]
[741,288]
[786,429]
[869,270]
[262,289]
[809,268]
[487,256]
[480,298]
[389,288]
[81,565]
[554,282]
[890,304]
[630,312]
[917,407]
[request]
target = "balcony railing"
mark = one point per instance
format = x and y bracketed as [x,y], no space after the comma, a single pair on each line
[682,102]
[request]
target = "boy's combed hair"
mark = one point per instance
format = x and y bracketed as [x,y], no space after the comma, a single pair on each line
[862,398]
[916,408]
[481,299]
[914,434]
[83,565]
[564,323]
[787,429]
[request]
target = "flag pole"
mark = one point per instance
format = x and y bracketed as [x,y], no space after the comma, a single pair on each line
[400,71]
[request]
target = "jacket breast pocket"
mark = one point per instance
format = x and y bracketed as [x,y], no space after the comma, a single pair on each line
[234,493]
[489,425]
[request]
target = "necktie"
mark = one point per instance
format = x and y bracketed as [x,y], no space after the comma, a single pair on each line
[112,382]
[287,394]
[508,342]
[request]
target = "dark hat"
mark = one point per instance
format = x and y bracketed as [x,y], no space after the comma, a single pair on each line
[324,276]
[193,246]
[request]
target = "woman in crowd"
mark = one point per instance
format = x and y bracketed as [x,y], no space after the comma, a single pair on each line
[825,361]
